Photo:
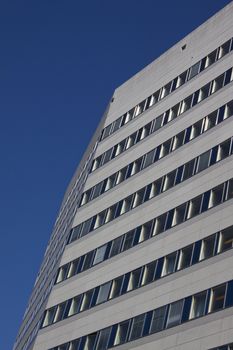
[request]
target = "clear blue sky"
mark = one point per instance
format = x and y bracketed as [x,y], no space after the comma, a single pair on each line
[60,61]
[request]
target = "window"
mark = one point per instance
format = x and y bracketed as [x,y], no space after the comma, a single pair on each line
[174,314]
[86,227]
[116,287]
[100,217]
[134,279]
[106,131]
[97,190]
[178,140]
[207,248]
[146,231]
[156,187]
[158,123]
[181,79]
[62,273]
[226,239]
[128,240]
[75,305]
[149,273]
[90,341]
[179,215]
[116,246]
[198,305]
[49,316]
[194,70]
[159,224]
[137,327]
[210,120]
[99,255]
[149,159]
[75,233]
[103,339]
[188,170]
[217,298]
[169,264]
[223,150]
[185,257]
[75,345]
[116,125]
[122,331]
[194,207]
[203,161]
[73,268]
[59,312]
[169,180]
[127,203]
[229,190]
[158,319]
[88,260]
[139,197]
[86,302]
[216,196]
[224,49]
[103,292]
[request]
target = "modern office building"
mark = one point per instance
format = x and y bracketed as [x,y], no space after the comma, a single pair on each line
[141,253]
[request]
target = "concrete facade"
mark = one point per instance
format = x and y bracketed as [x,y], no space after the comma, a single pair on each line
[214,329]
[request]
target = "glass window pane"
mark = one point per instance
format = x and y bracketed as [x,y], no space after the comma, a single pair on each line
[137,327]
[115,248]
[149,272]
[121,334]
[174,314]
[99,254]
[128,240]
[198,305]
[169,264]
[158,318]
[134,279]
[217,298]
[203,161]
[103,339]
[194,207]
[103,293]
[90,341]
[185,257]
[86,302]
[207,248]
[75,304]
[194,70]
[116,287]
[226,239]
